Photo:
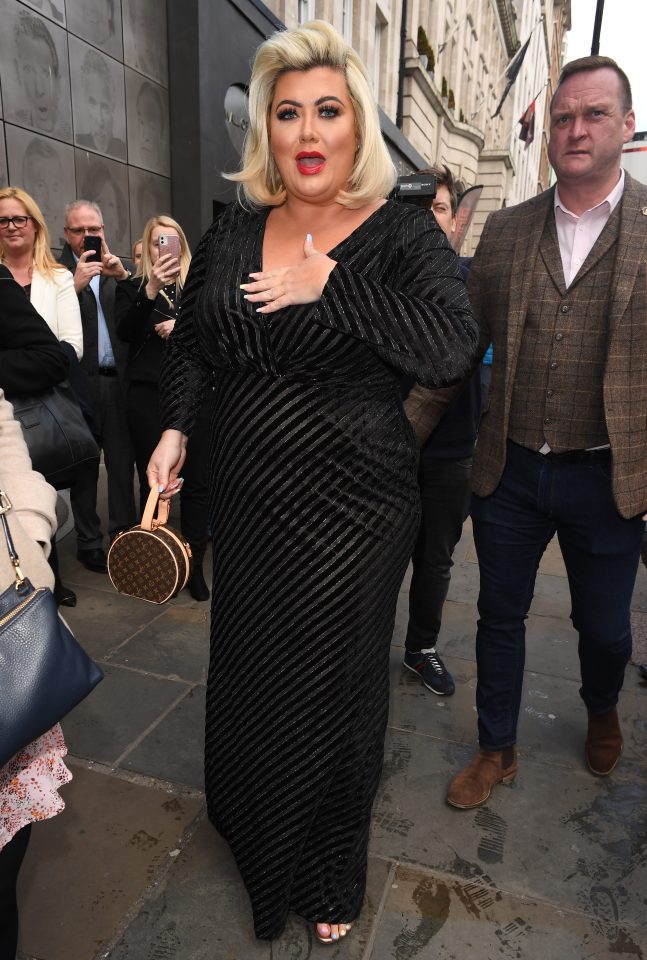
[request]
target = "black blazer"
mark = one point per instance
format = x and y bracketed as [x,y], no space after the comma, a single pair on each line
[31,358]
[89,320]
[136,317]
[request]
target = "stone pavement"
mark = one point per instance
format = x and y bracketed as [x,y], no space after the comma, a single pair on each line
[554,867]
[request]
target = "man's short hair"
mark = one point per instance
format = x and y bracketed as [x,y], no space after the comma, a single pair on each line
[30,27]
[583,64]
[75,204]
[444,178]
[93,62]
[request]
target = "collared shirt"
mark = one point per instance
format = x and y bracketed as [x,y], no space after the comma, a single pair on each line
[577,235]
[106,356]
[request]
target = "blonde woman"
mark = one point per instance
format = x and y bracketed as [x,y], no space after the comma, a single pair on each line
[308,301]
[29,783]
[25,250]
[145,313]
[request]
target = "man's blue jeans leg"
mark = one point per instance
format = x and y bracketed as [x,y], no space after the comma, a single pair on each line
[535,499]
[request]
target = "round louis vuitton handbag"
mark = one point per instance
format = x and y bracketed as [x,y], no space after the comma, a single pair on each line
[151,561]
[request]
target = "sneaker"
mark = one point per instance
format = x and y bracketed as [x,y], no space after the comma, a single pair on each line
[431,670]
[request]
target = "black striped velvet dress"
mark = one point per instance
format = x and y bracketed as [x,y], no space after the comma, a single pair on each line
[314,513]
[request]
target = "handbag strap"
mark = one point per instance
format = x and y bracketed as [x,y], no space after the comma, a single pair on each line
[163,508]
[5,507]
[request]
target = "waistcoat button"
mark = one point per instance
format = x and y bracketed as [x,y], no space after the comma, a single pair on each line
[559,336]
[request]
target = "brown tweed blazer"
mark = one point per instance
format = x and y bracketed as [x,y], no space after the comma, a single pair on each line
[499,285]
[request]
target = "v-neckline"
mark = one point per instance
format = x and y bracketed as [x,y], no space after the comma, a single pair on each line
[266,212]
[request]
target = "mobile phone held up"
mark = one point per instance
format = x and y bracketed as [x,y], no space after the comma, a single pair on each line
[94,244]
[169,243]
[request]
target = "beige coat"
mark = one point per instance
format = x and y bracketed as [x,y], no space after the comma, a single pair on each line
[32,519]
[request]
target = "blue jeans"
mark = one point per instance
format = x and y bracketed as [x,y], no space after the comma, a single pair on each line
[536,498]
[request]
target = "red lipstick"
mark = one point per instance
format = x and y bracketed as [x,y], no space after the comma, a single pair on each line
[309,162]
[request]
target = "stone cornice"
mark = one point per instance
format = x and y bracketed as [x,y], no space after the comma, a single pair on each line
[427,86]
[508,18]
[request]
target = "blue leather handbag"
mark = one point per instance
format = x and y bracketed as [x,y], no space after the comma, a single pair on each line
[44,672]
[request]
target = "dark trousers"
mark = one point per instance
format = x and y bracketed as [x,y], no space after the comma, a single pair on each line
[445,499]
[145,430]
[110,418]
[536,498]
[11,858]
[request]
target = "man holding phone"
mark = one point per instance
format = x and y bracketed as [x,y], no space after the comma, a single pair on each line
[96,273]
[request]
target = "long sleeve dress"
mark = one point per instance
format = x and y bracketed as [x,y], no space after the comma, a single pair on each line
[314,510]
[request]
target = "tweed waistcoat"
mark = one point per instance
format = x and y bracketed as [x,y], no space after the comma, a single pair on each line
[558,388]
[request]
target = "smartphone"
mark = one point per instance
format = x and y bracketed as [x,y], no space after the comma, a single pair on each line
[94,244]
[169,243]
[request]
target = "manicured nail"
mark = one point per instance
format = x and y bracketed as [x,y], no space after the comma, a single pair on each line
[180,480]
[308,238]
[160,488]
[335,936]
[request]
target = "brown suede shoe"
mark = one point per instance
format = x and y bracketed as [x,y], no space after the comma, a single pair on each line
[603,742]
[473,785]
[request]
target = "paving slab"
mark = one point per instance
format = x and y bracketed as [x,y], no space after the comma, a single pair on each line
[174,748]
[120,710]
[433,915]
[202,912]
[551,835]
[85,868]
[174,645]
[102,619]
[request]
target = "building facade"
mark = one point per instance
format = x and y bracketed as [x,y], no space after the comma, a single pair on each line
[140,105]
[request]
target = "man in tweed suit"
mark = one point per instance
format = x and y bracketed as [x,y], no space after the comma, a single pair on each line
[559,284]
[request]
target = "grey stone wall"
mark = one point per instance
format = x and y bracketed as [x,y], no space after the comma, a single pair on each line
[85,109]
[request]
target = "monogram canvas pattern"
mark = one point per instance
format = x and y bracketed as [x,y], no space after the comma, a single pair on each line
[151,565]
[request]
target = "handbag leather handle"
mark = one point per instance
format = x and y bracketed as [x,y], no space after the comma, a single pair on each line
[149,522]
[5,507]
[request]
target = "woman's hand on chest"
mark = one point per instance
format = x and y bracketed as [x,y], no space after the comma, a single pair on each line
[300,283]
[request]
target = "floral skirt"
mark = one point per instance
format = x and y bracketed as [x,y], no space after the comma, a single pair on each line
[29,784]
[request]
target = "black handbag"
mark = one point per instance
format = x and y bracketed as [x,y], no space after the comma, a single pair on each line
[44,672]
[56,433]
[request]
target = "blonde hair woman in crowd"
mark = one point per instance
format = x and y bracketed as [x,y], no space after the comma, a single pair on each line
[307,301]
[25,250]
[145,313]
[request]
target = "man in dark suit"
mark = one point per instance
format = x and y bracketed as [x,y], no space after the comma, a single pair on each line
[559,284]
[104,360]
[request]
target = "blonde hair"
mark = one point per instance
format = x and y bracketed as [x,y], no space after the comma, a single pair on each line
[145,264]
[315,44]
[42,257]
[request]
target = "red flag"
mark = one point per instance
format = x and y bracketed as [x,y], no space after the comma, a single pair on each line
[527,121]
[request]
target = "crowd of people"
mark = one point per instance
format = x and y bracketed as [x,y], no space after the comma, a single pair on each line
[308,381]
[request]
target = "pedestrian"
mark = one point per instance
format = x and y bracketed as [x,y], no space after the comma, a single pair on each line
[447,445]
[313,486]
[25,250]
[30,781]
[104,361]
[559,286]
[145,312]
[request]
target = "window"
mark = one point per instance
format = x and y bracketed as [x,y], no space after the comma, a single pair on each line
[306,10]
